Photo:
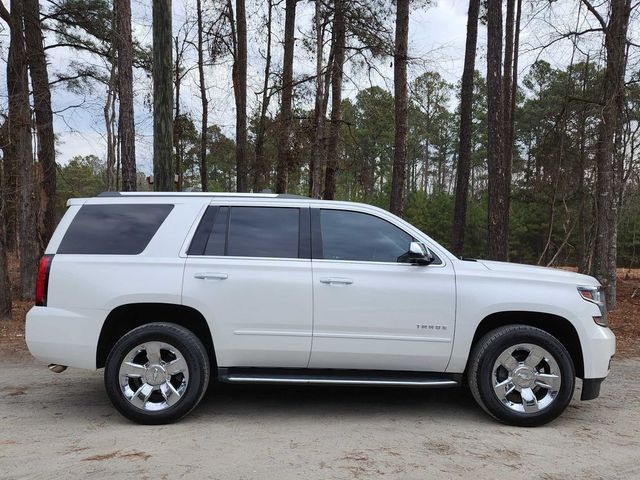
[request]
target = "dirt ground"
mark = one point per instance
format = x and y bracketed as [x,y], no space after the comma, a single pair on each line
[63,426]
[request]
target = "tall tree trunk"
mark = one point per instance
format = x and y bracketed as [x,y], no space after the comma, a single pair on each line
[582,255]
[466,126]
[401,107]
[44,120]
[339,38]
[498,214]
[22,149]
[163,171]
[126,124]
[204,102]
[509,90]
[261,167]
[507,75]
[9,190]
[240,84]
[284,143]
[108,113]
[318,150]
[607,184]
[514,92]
[177,83]
[5,286]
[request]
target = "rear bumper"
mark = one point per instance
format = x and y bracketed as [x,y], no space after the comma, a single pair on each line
[65,337]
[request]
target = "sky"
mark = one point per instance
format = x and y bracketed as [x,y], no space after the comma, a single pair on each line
[436,42]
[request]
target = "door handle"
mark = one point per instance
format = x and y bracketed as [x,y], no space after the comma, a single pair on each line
[210,276]
[336,281]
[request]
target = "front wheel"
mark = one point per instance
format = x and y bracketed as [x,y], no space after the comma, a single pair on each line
[157,373]
[521,375]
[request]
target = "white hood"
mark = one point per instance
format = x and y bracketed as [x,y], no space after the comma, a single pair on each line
[555,274]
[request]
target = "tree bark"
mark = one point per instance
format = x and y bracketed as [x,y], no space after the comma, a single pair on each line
[510,88]
[498,215]
[336,100]
[20,137]
[401,108]
[109,122]
[204,102]
[607,184]
[240,84]
[8,195]
[44,120]
[466,126]
[177,82]
[261,167]
[163,171]
[318,140]
[284,143]
[582,256]
[5,285]
[126,124]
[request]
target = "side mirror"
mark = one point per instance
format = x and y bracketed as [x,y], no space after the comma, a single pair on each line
[419,254]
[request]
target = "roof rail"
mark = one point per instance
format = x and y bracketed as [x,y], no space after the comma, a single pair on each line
[200,194]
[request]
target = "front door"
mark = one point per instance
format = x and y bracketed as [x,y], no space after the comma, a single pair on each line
[370,310]
[248,271]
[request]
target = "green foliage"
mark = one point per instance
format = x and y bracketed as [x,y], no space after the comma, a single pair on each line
[431,214]
[629,233]
[221,160]
[80,177]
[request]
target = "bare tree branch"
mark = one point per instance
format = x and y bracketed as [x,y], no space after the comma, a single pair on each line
[595,13]
[4,13]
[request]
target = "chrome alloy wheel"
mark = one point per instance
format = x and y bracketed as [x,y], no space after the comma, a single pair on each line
[153,376]
[526,378]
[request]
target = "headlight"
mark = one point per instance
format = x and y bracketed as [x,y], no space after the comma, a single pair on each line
[596,295]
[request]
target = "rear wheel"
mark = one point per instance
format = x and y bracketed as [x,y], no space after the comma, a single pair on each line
[521,375]
[157,373]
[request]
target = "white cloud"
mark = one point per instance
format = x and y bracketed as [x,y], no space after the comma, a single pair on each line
[71,144]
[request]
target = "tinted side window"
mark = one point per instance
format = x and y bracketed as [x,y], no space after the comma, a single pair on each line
[217,238]
[113,229]
[263,232]
[361,237]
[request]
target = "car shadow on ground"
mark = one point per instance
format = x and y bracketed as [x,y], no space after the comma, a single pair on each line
[348,402]
[253,401]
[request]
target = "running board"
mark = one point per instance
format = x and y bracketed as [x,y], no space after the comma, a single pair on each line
[365,378]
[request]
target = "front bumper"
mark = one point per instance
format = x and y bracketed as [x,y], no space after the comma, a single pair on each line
[591,388]
[64,337]
[598,347]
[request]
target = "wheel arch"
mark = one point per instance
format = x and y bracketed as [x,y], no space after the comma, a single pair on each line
[555,325]
[125,318]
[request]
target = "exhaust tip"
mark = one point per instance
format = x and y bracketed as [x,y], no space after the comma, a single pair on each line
[57,368]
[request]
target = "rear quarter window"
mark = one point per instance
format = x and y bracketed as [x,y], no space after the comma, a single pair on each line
[117,229]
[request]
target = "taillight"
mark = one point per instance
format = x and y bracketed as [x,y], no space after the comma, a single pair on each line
[42,280]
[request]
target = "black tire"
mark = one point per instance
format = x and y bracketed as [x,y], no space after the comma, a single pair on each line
[195,356]
[480,374]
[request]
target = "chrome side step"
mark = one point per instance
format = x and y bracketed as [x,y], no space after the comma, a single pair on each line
[337,377]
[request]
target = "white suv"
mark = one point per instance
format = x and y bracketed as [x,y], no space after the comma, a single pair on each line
[164,290]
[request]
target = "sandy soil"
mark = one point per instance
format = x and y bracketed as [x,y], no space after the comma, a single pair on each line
[63,426]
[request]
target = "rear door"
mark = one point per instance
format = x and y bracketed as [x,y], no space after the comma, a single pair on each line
[248,271]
